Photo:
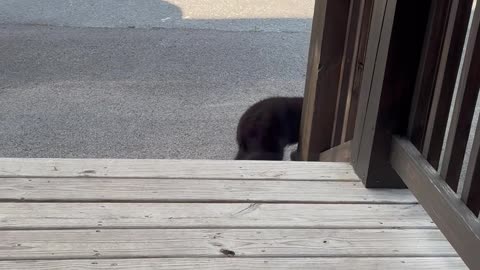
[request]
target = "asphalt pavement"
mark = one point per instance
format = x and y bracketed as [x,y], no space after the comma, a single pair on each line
[92,81]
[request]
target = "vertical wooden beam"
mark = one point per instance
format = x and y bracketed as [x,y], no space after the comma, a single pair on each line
[371,49]
[463,109]
[428,70]
[389,78]
[354,93]
[323,75]
[347,71]
[445,84]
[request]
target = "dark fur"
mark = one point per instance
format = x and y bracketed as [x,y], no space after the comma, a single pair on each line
[267,127]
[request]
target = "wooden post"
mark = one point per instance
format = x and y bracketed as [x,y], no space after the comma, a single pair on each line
[356,83]
[323,75]
[346,102]
[388,81]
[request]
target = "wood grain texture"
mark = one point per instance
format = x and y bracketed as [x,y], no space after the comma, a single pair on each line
[435,263]
[185,215]
[151,168]
[194,190]
[77,244]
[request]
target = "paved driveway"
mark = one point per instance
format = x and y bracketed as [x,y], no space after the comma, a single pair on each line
[154,80]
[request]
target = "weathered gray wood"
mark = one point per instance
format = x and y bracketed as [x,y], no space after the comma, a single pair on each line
[435,263]
[194,190]
[340,153]
[452,216]
[76,244]
[185,215]
[150,168]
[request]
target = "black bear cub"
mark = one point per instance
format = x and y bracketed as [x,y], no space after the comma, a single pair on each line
[267,127]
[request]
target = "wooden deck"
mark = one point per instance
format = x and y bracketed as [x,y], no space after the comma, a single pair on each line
[152,214]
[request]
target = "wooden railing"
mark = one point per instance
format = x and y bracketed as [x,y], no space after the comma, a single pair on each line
[401,80]
[439,158]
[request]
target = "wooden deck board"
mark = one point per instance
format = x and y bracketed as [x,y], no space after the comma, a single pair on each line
[433,263]
[128,243]
[187,215]
[184,215]
[152,168]
[195,190]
